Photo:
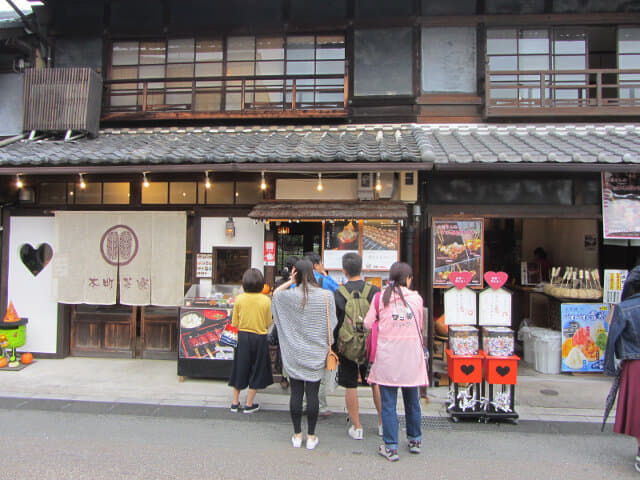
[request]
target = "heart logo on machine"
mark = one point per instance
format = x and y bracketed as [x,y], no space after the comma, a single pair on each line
[460,279]
[496,279]
[467,369]
[35,259]
[503,371]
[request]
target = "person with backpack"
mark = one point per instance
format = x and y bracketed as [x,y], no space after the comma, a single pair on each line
[399,359]
[352,304]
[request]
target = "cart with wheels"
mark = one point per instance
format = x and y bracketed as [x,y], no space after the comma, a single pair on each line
[465,380]
[500,378]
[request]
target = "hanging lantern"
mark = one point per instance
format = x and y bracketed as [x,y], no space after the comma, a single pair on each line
[230,228]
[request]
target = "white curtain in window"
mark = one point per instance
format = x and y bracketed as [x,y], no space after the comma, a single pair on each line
[141,254]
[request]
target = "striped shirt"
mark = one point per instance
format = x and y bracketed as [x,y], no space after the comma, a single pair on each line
[302,332]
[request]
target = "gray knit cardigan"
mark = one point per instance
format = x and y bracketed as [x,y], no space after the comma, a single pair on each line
[302,332]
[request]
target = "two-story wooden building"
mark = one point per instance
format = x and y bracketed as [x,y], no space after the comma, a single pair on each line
[236,113]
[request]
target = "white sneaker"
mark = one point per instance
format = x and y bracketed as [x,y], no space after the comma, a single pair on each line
[380,433]
[355,433]
[312,442]
[296,441]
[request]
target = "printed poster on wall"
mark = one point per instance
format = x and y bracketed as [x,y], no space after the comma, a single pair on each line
[457,247]
[339,238]
[269,253]
[621,205]
[584,336]
[379,244]
[613,283]
[204,265]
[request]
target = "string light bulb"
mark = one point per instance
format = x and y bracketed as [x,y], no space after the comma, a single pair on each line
[319,186]
[19,182]
[145,181]
[263,183]
[207,181]
[378,182]
[83,184]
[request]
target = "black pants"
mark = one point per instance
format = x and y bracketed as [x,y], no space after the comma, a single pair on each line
[298,389]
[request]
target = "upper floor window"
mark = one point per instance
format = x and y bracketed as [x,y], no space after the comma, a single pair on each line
[232,74]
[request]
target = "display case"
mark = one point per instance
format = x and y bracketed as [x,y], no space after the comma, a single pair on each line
[497,341]
[206,310]
[463,340]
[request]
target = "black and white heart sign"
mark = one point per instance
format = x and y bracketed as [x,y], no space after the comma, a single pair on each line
[35,259]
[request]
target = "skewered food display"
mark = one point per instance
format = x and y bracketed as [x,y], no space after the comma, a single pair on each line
[574,283]
[384,237]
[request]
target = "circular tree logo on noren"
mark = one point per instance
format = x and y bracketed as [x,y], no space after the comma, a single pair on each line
[119,245]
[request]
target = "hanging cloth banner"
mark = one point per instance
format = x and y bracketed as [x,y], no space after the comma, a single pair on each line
[139,254]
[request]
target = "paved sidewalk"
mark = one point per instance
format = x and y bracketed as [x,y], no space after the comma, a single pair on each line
[155,383]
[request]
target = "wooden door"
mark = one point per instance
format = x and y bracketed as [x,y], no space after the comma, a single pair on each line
[159,332]
[103,331]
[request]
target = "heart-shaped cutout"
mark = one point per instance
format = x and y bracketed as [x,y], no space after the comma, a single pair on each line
[496,279]
[503,371]
[35,259]
[467,369]
[460,279]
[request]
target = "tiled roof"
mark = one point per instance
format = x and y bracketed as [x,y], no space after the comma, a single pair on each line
[442,145]
[361,143]
[464,144]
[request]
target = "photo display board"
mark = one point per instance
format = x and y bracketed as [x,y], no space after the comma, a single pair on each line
[377,241]
[457,247]
[621,205]
[584,336]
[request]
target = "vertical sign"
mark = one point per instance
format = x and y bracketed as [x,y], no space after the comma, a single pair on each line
[584,336]
[457,247]
[204,265]
[621,205]
[269,254]
[460,306]
[613,283]
[495,307]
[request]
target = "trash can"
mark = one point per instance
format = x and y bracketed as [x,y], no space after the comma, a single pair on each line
[526,335]
[547,345]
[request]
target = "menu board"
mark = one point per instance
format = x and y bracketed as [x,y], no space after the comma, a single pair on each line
[457,247]
[584,336]
[460,307]
[376,240]
[379,245]
[494,307]
[339,238]
[621,205]
[204,265]
[200,330]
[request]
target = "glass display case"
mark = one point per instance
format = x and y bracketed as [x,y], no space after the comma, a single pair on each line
[205,311]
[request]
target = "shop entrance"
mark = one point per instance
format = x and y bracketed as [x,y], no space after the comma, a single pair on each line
[296,238]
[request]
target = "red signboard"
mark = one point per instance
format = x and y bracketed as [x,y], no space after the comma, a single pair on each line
[269,254]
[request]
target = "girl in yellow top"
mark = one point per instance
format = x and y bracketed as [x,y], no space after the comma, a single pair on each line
[251,362]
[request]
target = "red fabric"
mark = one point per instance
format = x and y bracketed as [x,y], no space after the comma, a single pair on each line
[628,409]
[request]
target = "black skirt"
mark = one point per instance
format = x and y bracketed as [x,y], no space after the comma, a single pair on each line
[251,362]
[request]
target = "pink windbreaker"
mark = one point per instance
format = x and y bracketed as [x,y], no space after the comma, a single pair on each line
[399,358]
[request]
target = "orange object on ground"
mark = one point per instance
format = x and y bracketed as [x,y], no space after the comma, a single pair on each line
[464,369]
[26,358]
[3,362]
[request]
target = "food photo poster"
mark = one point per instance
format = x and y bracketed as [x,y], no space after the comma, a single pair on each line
[584,336]
[457,247]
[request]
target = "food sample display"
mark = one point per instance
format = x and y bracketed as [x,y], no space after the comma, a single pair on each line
[206,310]
[457,247]
[574,283]
[584,336]
[497,341]
[379,236]
[463,340]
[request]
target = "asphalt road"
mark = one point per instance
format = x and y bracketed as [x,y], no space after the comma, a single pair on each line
[39,444]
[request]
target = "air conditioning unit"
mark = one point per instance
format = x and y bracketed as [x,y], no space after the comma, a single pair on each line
[409,186]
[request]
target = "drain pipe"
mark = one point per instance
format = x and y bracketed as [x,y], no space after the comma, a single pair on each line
[8,141]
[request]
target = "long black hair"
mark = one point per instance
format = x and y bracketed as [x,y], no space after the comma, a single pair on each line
[304,277]
[399,273]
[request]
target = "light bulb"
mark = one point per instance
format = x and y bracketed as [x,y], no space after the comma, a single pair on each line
[319,187]
[19,183]
[83,185]
[378,183]
[207,181]
[145,182]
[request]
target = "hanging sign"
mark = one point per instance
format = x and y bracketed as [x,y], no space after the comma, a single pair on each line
[460,306]
[269,254]
[204,265]
[494,307]
[457,247]
[496,279]
[621,205]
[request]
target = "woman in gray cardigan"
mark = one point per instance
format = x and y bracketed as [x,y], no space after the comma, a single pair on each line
[300,315]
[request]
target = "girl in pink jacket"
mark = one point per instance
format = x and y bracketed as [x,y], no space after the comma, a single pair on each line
[399,360]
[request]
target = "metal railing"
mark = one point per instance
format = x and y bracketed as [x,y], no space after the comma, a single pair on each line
[562,92]
[226,94]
